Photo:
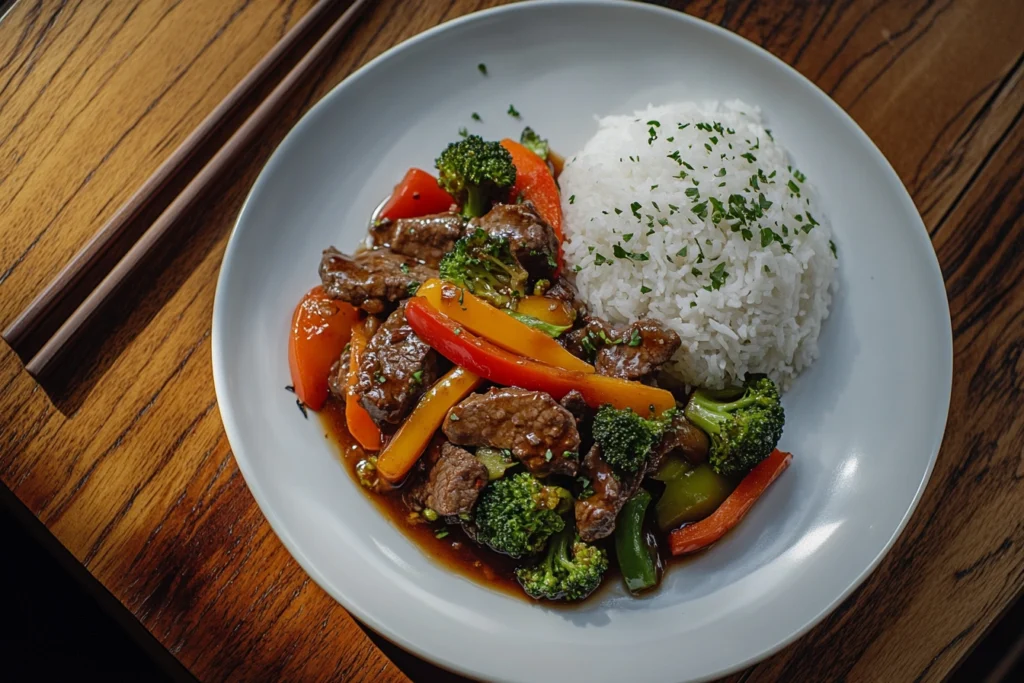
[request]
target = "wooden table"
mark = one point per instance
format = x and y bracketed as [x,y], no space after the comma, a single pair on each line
[128,466]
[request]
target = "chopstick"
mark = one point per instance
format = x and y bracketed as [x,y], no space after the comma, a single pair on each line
[40,314]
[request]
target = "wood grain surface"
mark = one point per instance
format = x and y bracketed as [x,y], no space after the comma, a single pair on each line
[127,464]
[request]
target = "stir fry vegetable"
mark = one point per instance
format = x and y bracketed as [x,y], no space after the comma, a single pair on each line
[535,183]
[626,438]
[552,311]
[498,365]
[486,267]
[570,570]
[411,439]
[744,426]
[701,534]
[635,555]
[362,427]
[477,173]
[321,327]
[516,515]
[691,496]
[492,324]
[417,195]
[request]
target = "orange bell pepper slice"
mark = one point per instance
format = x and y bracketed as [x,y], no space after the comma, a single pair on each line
[412,438]
[554,311]
[700,535]
[360,425]
[320,329]
[494,325]
[492,362]
[535,183]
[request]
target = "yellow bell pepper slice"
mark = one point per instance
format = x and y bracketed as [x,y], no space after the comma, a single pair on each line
[412,438]
[502,330]
[554,311]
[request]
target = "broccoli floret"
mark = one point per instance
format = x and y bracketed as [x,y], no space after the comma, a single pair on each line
[476,173]
[570,570]
[535,143]
[744,425]
[626,438]
[516,515]
[486,267]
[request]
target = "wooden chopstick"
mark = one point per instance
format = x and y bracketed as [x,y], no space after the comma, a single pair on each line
[221,163]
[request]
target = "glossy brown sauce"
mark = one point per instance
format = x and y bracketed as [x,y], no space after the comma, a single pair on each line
[455,552]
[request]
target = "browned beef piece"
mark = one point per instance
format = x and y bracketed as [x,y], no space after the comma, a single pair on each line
[454,482]
[683,437]
[339,374]
[371,279]
[533,241]
[427,238]
[538,431]
[633,351]
[564,289]
[394,370]
[595,514]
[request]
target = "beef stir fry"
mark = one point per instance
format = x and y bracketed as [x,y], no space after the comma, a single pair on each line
[487,398]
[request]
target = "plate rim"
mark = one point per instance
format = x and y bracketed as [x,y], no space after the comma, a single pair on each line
[944,347]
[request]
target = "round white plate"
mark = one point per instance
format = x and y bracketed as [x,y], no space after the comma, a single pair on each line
[864,422]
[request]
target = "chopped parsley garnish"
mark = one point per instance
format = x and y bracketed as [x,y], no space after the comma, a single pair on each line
[721,172]
[675,156]
[618,212]
[749,157]
[793,187]
[463,132]
[693,193]
[652,134]
[417,376]
[635,208]
[657,124]
[644,289]
[627,237]
[475,116]
[701,210]
[696,272]
[799,176]
[413,286]
[599,259]
[662,222]
[513,112]
[681,252]
[572,199]
[548,455]
[404,268]
[441,533]
[635,339]
[483,68]
[718,276]
[832,246]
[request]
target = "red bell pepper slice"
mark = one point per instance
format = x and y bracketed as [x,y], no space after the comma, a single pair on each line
[700,535]
[491,362]
[417,195]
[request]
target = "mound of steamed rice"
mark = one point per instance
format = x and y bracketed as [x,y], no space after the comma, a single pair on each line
[692,214]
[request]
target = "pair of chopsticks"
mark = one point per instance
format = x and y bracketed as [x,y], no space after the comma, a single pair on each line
[41,334]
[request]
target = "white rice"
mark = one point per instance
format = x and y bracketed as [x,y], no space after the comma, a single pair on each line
[763,310]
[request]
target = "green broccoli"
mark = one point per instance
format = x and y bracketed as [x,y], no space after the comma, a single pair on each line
[744,425]
[476,173]
[570,570]
[626,438]
[486,267]
[516,515]
[535,143]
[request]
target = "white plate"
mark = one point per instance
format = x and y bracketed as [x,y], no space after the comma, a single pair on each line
[865,422]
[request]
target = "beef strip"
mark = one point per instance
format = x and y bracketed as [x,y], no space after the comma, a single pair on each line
[633,351]
[564,289]
[394,370]
[454,482]
[427,238]
[683,437]
[595,514]
[538,431]
[584,415]
[339,375]
[533,241]
[371,279]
